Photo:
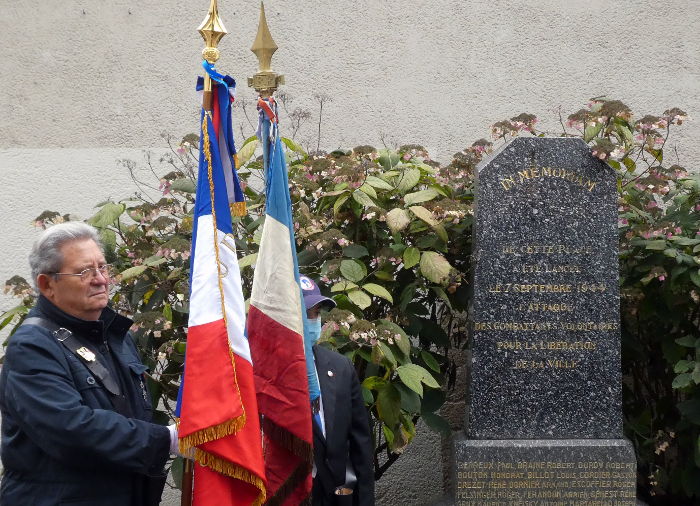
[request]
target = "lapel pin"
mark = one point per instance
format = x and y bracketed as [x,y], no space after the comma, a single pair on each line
[330,374]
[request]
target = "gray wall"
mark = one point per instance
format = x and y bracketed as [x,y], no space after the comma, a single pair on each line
[85,83]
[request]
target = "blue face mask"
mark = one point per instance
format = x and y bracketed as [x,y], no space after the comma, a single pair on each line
[314,330]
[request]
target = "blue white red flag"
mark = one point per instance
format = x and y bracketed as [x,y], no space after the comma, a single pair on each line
[217,408]
[276,324]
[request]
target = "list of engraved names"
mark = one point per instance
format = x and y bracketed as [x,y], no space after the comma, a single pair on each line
[545,483]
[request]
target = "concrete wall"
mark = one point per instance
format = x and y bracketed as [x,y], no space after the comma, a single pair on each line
[85,83]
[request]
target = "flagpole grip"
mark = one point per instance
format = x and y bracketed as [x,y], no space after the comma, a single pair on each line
[187,479]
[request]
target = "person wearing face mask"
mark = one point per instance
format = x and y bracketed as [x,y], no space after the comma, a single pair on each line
[343,472]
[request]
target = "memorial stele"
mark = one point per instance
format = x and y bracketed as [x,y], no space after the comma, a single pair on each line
[543,422]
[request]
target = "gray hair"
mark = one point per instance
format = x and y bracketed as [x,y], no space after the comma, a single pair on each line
[46,256]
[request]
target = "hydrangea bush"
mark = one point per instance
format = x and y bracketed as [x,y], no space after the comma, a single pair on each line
[387,232]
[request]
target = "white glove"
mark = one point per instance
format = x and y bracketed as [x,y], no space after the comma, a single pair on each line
[174,444]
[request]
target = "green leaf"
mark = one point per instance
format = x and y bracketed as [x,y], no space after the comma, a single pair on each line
[695,277]
[389,405]
[682,380]
[8,315]
[257,236]
[423,214]
[696,374]
[132,272]
[176,470]
[682,366]
[657,245]
[591,132]
[684,241]
[378,183]
[247,150]
[293,146]
[389,435]
[353,270]
[434,267]
[154,261]
[410,400]
[374,383]
[378,290]
[388,354]
[168,311]
[436,423]
[441,293]
[433,399]
[383,275]
[408,179]
[184,185]
[420,196]
[413,376]
[691,410]
[430,361]
[670,252]
[109,213]
[387,158]
[343,286]
[411,256]
[626,133]
[440,231]
[247,260]
[397,219]
[355,251]
[368,190]
[340,202]
[363,199]
[367,395]
[687,341]
[360,298]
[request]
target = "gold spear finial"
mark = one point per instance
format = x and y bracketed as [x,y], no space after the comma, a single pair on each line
[212,30]
[265,81]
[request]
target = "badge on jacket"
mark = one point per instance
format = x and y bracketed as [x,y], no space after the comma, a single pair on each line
[86,354]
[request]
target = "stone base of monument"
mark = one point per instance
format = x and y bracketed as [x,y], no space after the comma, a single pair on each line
[543,472]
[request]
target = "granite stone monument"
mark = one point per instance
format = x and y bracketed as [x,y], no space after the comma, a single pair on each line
[544,417]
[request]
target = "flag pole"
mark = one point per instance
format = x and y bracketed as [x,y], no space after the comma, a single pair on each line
[212,30]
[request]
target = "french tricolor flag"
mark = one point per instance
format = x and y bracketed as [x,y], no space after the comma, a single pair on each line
[276,334]
[217,408]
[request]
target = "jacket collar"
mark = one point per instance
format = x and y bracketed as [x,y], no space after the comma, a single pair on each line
[109,320]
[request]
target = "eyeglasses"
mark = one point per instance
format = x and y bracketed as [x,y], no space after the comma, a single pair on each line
[108,271]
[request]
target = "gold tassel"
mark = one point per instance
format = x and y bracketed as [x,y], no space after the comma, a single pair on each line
[238,209]
[235,161]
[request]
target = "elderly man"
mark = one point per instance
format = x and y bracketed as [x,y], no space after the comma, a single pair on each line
[76,412]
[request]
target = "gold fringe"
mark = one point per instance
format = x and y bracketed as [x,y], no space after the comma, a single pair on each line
[235,162]
[211,433]
[228,469]
[238,208]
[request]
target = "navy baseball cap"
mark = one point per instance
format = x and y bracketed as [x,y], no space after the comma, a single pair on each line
[312,294]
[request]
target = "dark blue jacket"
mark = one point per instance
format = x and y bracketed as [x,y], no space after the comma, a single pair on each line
[62,440]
